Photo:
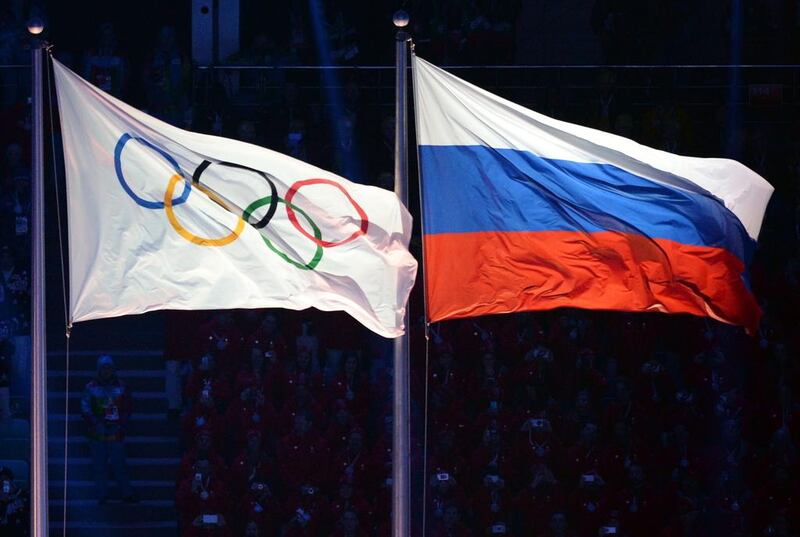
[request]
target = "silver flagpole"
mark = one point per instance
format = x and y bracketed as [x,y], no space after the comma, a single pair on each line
[401,475]
[38,344]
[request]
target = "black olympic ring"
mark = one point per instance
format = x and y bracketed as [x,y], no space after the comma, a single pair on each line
[273,204]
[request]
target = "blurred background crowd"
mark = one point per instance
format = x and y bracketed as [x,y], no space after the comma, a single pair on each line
[563,423]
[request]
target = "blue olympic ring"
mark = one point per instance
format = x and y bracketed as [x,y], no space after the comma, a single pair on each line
[187,186]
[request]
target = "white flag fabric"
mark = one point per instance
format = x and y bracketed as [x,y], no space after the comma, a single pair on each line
[163,218]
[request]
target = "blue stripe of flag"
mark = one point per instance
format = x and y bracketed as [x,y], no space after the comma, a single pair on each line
[479,188]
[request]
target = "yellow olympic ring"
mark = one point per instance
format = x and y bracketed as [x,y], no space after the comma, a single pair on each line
[183,232]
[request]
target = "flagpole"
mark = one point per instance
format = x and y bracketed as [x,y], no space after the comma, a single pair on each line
[401,475]
[39,519]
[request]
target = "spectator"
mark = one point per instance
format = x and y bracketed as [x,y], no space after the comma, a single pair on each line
[222,339]
[269,335]
[203,502]
[180,347]
[205,450]
[14,506]
[347,159]
[253,467]
[302,372]
[308,510]
[16,202]
[262,509]
[295,143]
[558,526]
[104,66]
[106,408]
[246,132]
[491,506]
[165,78]
[251,373]
[539,500]
[6,357]
[349,500]
[351,386]
[352,462]
[252,529]
[348,526]
[589,502]
[208,382]
[450,524]
[203,416]
[639,505]
[15,311]
[307,340]
[11,52]
[251,413]
[301,454]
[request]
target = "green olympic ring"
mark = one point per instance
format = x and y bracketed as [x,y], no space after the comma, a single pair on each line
[250,209]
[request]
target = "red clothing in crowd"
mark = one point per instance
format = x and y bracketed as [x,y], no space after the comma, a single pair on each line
[616,459]
[380,458]
[353,466]
[357,533]
[490,505]
[221,338]
[245,473]
[458,530]
[245,416]
[266,512]
[640,510]
[589,510]
[208,496]
[538,446]
[186,468]
[206,418]
[536,505]
[213,383]
[304,460]
[486,460]
[308,514]
[354,391]
[358,505]
[337,432]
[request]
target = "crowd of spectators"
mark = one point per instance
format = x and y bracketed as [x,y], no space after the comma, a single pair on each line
[14,506]
[15,202]
[555,424]
[285,424]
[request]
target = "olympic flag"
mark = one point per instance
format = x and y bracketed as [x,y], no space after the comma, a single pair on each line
[162,218]
[525,212]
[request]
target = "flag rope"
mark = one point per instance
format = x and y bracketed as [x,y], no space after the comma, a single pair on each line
[67,321]
[414,101]
[425,318]
[425,436]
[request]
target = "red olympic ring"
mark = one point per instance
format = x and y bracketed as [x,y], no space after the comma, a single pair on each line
[293,217]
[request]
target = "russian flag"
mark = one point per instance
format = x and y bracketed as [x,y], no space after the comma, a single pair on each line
[525,212]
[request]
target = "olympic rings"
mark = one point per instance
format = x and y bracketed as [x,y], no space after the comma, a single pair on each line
[273,194]
[317,233]
[293,218]
[183,232]
[169,203]
[126,187]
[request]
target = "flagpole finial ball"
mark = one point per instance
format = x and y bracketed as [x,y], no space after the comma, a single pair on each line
[35,26]
[400,19]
